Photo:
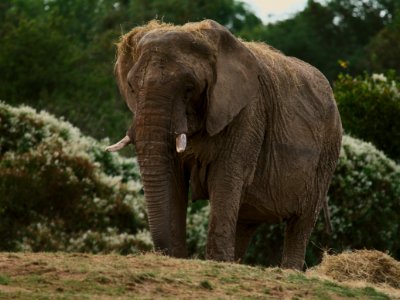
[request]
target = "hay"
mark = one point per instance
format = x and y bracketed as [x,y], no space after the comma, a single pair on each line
[128,42]
[263,50]
[361,265]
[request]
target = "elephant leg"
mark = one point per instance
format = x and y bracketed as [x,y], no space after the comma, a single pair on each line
[224,201]
[178,211]
[178,228]
[297,235]
[244,233]
[298,229]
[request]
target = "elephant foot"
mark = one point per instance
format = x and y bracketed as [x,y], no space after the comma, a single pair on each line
[179,253]
[297,234]
[290,263]
[218,255]
[220,243]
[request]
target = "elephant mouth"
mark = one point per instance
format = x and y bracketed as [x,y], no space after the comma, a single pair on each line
[180,142]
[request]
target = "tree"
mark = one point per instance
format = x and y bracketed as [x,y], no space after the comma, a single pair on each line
[59,55]
[382,52]
[322,34]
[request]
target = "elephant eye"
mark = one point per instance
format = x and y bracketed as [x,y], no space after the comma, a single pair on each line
[131,88]
[188,92]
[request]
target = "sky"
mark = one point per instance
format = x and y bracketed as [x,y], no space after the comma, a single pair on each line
[270,11]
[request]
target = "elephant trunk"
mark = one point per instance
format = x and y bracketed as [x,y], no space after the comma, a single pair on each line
[157,194]
[154,148]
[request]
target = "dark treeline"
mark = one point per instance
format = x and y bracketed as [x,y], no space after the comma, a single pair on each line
[58,55]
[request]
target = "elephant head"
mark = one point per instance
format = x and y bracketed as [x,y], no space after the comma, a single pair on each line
[180,82]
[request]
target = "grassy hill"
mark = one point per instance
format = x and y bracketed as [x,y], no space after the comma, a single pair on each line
[152,276]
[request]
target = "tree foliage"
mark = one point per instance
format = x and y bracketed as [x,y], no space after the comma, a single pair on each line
[58,55]
[382,52]
[322,34]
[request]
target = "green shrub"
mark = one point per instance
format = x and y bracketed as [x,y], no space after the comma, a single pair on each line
[370,108]
[364,201]
[197,225]
[60,190]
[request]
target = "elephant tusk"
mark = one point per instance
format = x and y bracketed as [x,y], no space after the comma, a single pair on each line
[118,146]
[181,143]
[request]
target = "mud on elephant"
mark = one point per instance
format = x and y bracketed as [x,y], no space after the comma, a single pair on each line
[252,130]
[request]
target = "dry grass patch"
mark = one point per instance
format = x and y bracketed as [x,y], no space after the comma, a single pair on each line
[362,269]
[152,276]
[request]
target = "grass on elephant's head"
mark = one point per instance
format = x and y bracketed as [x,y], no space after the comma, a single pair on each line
[127,44]
[60,275]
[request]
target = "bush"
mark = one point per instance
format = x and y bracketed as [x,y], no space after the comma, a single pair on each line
[60,191]
[370,107]
[197,225]
[364,201]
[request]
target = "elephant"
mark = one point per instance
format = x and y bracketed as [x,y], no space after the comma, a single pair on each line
[254,131]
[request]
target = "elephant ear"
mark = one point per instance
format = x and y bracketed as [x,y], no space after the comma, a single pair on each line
[236,79]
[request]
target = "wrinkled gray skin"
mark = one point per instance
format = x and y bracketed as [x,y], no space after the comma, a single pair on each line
[263,136]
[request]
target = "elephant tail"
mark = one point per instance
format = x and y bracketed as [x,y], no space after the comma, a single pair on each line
[327,217]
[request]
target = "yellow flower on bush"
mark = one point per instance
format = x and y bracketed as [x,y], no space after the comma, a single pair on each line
[343,63]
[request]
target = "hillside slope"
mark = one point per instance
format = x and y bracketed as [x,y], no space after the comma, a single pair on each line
[151,276]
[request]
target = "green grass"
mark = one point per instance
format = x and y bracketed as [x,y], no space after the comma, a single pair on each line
[4,280]
[206,285]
